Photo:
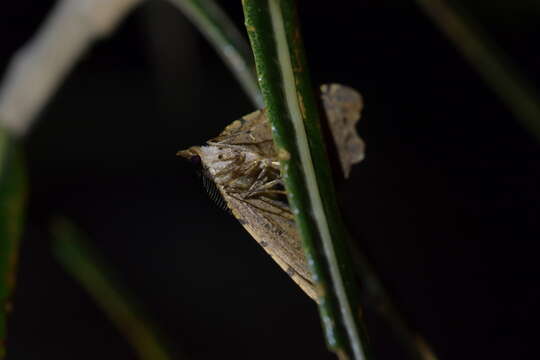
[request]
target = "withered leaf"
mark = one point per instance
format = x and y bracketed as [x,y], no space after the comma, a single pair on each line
[343,106]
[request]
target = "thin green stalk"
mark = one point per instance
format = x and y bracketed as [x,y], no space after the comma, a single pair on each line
[12,200]
[220,31]
[73,252]
[489,61]
[274,33]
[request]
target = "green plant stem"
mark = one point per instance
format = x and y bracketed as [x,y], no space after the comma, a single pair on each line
[489,61]
[73,252]
[12,200]
[274,33]
[220,31]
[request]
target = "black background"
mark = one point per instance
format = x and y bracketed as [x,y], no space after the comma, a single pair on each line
[446,204]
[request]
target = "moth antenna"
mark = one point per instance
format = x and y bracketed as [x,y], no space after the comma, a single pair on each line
[213,192]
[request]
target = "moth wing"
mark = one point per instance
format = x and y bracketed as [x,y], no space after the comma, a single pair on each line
[252,132]
[343,106]
[276,232]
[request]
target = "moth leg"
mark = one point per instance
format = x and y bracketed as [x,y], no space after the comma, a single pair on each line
[275,165]
[236,161]
[250,170]
[267,188]
[244,173]
[265,167]
[255,166]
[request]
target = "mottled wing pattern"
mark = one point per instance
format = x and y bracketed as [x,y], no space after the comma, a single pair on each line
[252,131]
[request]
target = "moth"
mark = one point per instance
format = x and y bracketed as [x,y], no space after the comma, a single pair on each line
[242,165]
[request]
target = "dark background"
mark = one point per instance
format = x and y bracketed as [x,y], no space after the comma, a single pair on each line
[446,204]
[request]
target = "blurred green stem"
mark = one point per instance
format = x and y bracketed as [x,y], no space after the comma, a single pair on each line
[220,31]
[489,61]
[12,200]
[274,33]
[73,252]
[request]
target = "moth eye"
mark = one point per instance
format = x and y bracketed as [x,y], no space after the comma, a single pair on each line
[195,160]
[220,157]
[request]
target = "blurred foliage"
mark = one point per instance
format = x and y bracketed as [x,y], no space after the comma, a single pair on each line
[521,13]
[73,251]
[227,40]
[489,61]
[12,199]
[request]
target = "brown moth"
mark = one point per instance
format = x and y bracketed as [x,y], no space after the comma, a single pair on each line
[243,164]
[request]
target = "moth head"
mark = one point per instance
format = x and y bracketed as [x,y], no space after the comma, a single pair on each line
[196,156]
[192,155]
